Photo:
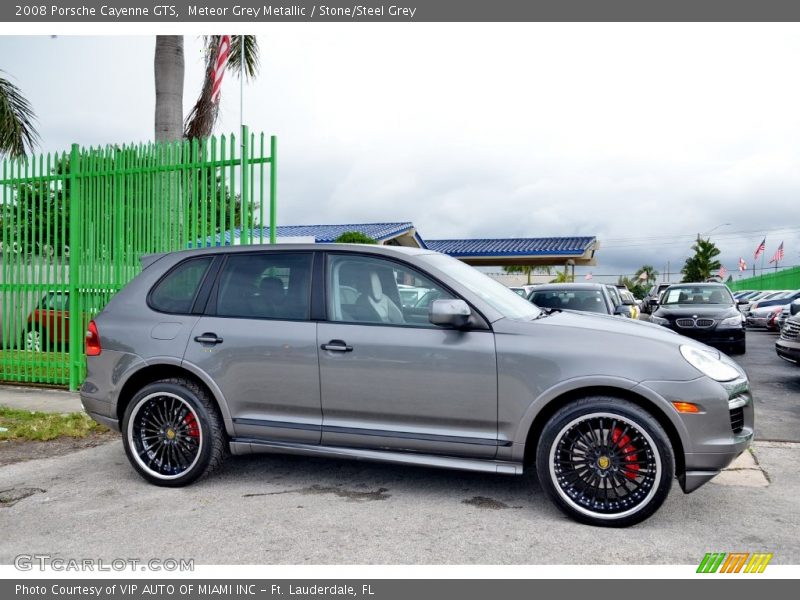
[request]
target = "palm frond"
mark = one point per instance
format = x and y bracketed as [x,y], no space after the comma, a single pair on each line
[200,121]
[18,135]
[247,62]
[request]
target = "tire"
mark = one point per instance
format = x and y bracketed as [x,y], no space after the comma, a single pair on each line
[610,490]
[35,340]
[739,347]
[173,433]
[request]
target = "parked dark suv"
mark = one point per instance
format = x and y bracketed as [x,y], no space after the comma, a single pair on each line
[308,349]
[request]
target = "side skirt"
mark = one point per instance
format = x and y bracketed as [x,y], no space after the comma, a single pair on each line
[250,446]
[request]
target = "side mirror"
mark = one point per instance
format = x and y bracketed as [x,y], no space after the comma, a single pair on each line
[622,311]
[653,302]
[742,302]
[450,313]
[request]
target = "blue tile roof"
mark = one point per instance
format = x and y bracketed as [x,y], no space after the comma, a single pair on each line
[322,234]
[513,246]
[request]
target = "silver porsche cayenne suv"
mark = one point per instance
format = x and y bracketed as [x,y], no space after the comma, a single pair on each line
[314,350]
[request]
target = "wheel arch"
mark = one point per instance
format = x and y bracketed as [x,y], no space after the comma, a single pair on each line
[633,395]
[155,370]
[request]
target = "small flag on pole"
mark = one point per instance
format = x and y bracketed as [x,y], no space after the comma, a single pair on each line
[588,276]
[760,250]
[722,272]
[742,264]
[223,52]
[778,256]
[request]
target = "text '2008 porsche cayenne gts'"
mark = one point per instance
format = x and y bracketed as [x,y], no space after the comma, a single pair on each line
[308,349]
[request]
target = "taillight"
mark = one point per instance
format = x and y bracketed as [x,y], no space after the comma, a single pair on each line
[93,340]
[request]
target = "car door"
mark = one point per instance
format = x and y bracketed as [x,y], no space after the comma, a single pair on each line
[257,342]
[392,380]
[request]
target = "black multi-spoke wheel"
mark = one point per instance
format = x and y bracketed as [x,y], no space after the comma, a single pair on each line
[173,433]
[605,461]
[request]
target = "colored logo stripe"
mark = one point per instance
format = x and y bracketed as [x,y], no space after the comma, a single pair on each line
[733,562]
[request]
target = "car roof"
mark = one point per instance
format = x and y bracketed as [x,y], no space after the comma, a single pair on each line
[361,248]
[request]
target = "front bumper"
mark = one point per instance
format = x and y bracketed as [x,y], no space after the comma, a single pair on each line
[711,336]
[714,437]
[788,350]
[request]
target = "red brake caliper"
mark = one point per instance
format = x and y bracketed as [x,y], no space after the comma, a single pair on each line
[191,424]
[623,443]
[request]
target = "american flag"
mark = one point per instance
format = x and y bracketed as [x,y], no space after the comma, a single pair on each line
[223,51]
[588,276]
[760,250]
[742,264]
[778,256]
[722,272]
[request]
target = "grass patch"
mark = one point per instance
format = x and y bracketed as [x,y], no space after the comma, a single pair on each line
[42,426]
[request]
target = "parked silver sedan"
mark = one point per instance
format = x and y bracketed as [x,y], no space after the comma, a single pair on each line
[308,349]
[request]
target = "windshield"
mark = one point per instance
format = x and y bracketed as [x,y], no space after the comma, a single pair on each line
[687,294]
[571,299]
[494,293]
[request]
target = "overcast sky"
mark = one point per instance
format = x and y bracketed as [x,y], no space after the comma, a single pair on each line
[642,135]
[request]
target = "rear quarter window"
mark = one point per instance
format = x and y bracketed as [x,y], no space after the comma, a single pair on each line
[175,292]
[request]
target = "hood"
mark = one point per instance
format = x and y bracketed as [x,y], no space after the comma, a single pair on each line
[608,324]
[711,311]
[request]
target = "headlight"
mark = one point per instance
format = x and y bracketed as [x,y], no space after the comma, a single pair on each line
[659,321]
[734,321]
[709,364]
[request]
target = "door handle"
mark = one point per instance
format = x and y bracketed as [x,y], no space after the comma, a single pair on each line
[208,338]
[337,346]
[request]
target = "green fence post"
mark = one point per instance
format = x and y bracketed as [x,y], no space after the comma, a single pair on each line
[75,337]
[246,208]
[273,212]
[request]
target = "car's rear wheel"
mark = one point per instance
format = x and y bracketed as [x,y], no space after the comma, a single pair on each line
[173,433]
[605,461]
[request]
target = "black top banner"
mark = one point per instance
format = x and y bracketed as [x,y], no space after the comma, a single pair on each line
[261,11]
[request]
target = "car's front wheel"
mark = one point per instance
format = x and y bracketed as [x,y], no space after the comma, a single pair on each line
[173,433]
[605,461]
[35,340]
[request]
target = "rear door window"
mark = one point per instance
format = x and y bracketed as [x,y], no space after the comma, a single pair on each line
[269,285]
[175,293]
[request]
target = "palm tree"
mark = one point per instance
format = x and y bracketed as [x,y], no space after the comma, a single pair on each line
[18,135]
[562,277]
[527,270]
[243,61]
[169,69]
[700,266]
[652,274]
[169,74]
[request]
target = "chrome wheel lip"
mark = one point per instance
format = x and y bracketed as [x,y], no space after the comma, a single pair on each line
[132,444]
[582,509]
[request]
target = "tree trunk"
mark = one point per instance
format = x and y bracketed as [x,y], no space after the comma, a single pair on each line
[169,69]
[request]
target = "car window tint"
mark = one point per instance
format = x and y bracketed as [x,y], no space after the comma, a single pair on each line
[272,285]
[583,300]
[175,293]
[370,290]
[698,295]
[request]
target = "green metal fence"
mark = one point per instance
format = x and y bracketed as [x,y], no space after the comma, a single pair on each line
[74,226]
[785,279]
